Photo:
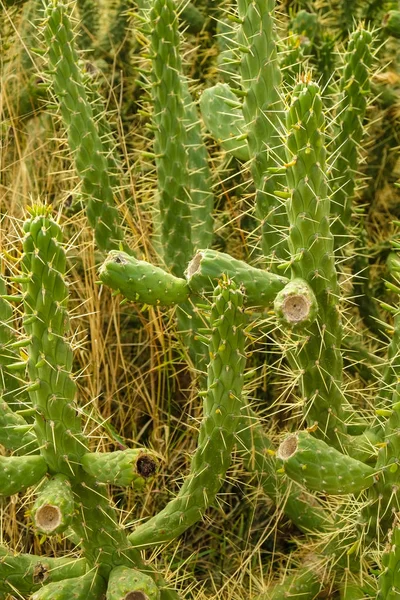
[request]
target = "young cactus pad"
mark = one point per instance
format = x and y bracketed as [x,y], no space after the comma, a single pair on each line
[129,584]
[320,468]
[54,507]
[123,467]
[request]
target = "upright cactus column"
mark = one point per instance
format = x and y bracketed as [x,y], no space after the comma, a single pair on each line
[91,161]
[311,247]
[355,86]
[263,113]
[170,137]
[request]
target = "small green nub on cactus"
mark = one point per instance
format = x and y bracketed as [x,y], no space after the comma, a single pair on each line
[321,468]
[140,281]
[129,584]
[54,507]
[122,467]
[296,305]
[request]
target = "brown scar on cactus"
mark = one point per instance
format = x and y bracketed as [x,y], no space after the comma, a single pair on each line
[288,447]
[48,518]
[146,465]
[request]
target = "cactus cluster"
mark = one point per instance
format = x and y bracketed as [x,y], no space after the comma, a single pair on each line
[223,180]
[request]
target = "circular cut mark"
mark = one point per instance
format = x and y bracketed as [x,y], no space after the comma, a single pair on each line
[138,595]
[145,465]
[296,308]
[48,517]
[287,448]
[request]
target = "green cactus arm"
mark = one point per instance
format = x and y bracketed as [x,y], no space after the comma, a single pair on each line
[355,86]
[208,266]
[352,591]
[227,59]
[263,112]
[170,136]
[27,572]
[90,586]
[200,176]
[391,23]
[389,580]
[311,248]
[54,506]
[15,433]
[140,281]
[303,584]
[83,137]
[19,472]
[223,117]
[296,305]
[321,468]
[259,458]
[89,11]
[192,17]
[121,467]
[127,583]
[222,406]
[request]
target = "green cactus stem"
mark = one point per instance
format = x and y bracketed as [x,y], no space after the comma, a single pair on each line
[52,392]
[129,584]
[208,266]
[122,467]
[311,248]
[321,468]
[140,281]
[296,305]
[263,112]
[54,507]
[90,586]
[200,176]
[352,591]
[194,20]
[85,142]
[303,584]
[222,406]
[89,11]
[351,110]
[170,137]
[15,433]
[389,580]
[26,573]
[391,23]
[223,117]
[19,472]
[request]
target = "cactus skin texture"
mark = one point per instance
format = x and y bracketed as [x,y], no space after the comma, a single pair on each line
[19,472]
[263,111]
[54,507]
[311,247]
[302,585]
[222,115]
[296,305]
[122,467]
[222,405]
[210,265]
[127,583]
[170,137]
[140,281]
[87,587]
[83,137]
[27,573]
[389,580]
[15,433]
[351,110]
[321,468]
